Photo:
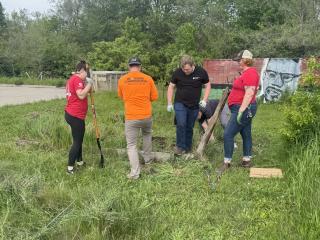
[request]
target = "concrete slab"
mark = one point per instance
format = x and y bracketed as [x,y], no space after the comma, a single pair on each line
[13,95]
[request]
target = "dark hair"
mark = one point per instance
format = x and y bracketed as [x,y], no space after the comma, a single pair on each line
[81,65]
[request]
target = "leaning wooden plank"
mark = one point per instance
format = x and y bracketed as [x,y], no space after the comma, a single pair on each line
[212,122]
[265,172]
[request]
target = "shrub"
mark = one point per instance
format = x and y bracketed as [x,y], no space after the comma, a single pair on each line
[311,78]
[61,83]
[18,82]
[302,118]
[302,109]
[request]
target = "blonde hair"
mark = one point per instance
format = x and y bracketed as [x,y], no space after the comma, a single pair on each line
[186,59]
[248,62]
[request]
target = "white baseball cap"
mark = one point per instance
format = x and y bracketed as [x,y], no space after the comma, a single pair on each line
[243,54]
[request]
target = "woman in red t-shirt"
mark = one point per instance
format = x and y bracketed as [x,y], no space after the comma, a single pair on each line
[76,110]
[243,107]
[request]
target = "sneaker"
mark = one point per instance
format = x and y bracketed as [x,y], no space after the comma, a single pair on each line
[135,177]
[70,172]
[149,162]
[179,151]
[246,163]
[81,164]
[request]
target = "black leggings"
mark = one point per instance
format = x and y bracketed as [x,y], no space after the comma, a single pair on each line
[77,129]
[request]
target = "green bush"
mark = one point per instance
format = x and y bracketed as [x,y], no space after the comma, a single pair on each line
[302,118]
[302,109]
[18,82]
[60,83]
[311,78]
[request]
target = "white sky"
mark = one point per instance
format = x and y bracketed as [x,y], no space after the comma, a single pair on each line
[31,5]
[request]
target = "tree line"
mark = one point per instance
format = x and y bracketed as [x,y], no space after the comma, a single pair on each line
[108,32]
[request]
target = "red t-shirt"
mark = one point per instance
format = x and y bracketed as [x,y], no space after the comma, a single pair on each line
[75,106]
[249,77]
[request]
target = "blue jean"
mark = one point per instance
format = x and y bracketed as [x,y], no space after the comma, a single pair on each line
[233,128]
[185,118]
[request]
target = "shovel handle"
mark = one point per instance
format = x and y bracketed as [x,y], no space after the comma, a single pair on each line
[94,115]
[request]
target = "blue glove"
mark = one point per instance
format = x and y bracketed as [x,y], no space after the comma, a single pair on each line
[239,116]
[170,108]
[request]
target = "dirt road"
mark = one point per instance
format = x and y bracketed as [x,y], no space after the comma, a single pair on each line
[13,95]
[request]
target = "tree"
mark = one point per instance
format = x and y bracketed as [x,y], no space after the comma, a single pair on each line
[3,23]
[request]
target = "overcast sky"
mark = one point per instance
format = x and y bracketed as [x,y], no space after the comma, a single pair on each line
[31,5]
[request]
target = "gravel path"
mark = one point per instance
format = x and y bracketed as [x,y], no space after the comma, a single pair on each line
[13,95]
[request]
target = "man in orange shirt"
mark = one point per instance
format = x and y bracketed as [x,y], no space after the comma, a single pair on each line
[137,90]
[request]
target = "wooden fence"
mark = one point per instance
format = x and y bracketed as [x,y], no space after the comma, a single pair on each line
[106,80]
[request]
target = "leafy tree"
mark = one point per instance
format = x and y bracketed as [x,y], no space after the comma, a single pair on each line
[3,23]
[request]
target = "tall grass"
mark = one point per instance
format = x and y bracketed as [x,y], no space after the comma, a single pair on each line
[172,200]
[304,187]
[58,82]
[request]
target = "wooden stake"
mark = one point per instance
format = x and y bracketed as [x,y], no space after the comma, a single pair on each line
[212,123]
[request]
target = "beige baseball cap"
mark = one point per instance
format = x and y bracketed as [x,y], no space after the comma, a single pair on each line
[243,54]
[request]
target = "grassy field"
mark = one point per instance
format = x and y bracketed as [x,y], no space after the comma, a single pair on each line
[172,200]
[33,81]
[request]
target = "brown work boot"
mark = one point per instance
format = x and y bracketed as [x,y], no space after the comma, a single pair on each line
[225,166]
[246,163]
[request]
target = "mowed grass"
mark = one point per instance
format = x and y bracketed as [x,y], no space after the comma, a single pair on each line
[178,199]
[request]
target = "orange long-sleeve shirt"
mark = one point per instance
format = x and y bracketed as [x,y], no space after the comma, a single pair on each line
[137,90]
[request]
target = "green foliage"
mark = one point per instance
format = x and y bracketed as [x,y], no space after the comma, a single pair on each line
[302,109]
[18,82]
[254,14]
[159,31]
[38,200]
[186,38]
[33,46]
[33,81]
[114,55]
[304,188]
[3,23]
[311,78]
[302,116]
[60,83]
[59,57]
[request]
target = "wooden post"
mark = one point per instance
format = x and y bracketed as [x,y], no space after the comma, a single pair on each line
[212,123]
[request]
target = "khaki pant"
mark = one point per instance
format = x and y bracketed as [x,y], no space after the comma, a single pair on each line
[132,129]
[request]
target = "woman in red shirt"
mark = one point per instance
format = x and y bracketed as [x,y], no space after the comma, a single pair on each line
[76,110]
[243,107]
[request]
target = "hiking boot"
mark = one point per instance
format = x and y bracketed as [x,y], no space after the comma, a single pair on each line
[135,177]
[179,151]
[246,163]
